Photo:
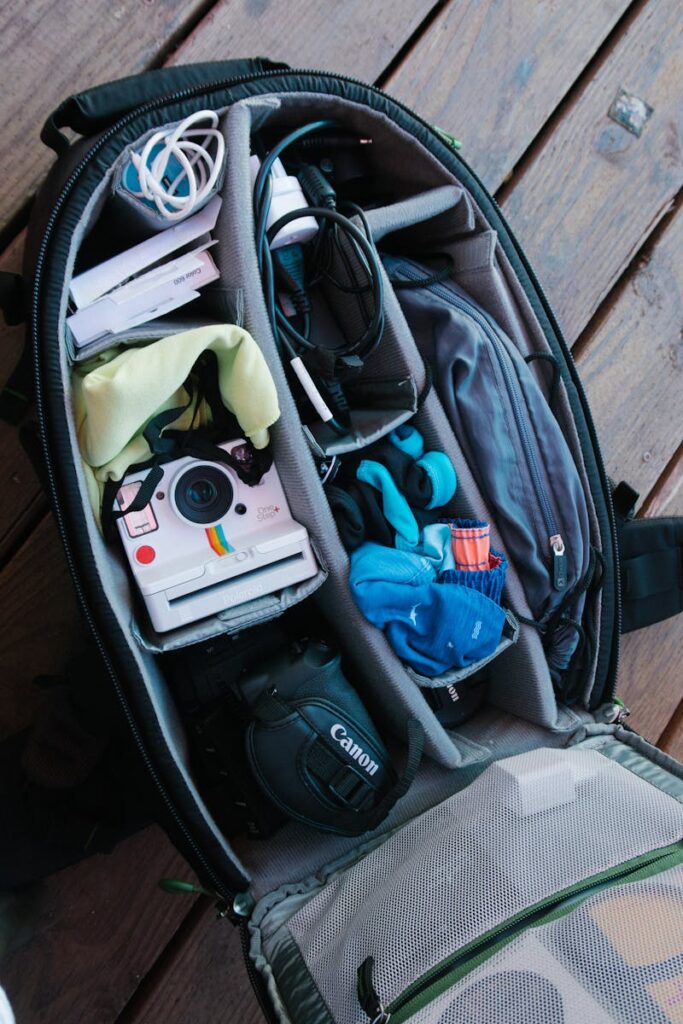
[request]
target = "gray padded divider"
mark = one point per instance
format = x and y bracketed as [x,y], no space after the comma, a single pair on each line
[455,675]
[405,213]
[150,331]
[382,680]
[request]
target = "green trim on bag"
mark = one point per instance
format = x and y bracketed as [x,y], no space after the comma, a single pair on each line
[645,866]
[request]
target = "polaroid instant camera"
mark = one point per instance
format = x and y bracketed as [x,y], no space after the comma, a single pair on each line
[207,541]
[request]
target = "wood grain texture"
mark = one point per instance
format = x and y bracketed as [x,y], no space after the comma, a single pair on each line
[632,367]
[667,497]
[203,980]
[592,194]
[357,37]
[49,51]
[39,624]
[492,73]
[671,739]
[20,497]
[77,945]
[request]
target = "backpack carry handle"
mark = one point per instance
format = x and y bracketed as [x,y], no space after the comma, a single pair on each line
[95,109]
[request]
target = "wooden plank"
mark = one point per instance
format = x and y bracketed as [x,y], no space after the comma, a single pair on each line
[20,496]
[49,51]
[667,498]
[632,367]
[497,71]
[39,624]
[203,976]
[671,739]
[78,944]
[357,38]
[593,192]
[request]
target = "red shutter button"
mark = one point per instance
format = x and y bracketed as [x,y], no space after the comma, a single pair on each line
[145,554]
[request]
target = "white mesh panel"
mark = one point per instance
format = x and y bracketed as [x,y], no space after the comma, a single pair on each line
[618,958]
[484,855]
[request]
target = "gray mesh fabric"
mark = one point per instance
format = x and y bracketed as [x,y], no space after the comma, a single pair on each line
[618,957]
[527,828]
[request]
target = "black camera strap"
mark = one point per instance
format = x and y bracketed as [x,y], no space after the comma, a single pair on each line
[360,810]
[168,445]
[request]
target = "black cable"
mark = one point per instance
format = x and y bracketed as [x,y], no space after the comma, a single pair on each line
[371,337]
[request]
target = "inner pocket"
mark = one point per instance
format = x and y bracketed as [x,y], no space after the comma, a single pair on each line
[462,870]
[609,948]
[513,443]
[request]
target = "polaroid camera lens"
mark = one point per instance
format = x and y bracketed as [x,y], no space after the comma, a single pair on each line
[203,494]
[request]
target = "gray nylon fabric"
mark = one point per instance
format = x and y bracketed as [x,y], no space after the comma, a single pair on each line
[613,959]
[566,814]
[511,440]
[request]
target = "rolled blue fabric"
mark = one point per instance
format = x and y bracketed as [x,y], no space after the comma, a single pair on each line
[434,544]
[396,509]
[409,440]
[432,626]
[487,581]
[441,473]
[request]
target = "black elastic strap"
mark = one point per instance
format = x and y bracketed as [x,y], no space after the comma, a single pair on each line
[17,394]
[356,822]
[624,500]
[12,298]
[140,501]
[651,571]
[549,358]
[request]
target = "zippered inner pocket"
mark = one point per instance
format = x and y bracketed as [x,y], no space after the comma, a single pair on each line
[455,968]
[529,828]
[550,538]
[513,442]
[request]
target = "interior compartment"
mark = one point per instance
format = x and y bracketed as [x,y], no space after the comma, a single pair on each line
[420,205]
[573,815]
[455,675]
[616,956]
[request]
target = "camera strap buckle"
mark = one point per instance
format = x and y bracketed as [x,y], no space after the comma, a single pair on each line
[345,781]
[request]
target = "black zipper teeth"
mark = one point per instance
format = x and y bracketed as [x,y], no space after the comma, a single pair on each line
[40,260]
[521,924]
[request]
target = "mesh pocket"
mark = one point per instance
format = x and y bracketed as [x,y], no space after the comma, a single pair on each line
[529,827]
[618,957]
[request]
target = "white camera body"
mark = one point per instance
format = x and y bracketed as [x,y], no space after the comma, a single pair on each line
[207,541]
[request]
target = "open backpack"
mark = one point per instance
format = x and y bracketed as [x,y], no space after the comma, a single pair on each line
[340,529]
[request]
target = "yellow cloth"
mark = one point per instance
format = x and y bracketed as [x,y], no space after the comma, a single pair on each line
[115,396]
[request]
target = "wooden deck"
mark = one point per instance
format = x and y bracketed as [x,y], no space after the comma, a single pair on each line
[527,87]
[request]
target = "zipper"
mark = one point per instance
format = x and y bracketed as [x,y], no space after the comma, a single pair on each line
[455,967]
[552,542]
[104,137]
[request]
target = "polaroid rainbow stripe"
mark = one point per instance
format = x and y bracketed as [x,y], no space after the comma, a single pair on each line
[218,541]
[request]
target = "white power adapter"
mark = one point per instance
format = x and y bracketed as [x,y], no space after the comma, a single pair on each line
[286,196]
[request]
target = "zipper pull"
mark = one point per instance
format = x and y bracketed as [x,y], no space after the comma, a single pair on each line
[174,886]
[447,137]
[367,994]
[559,558]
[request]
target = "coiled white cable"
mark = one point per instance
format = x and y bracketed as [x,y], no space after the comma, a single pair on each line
[197,166]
